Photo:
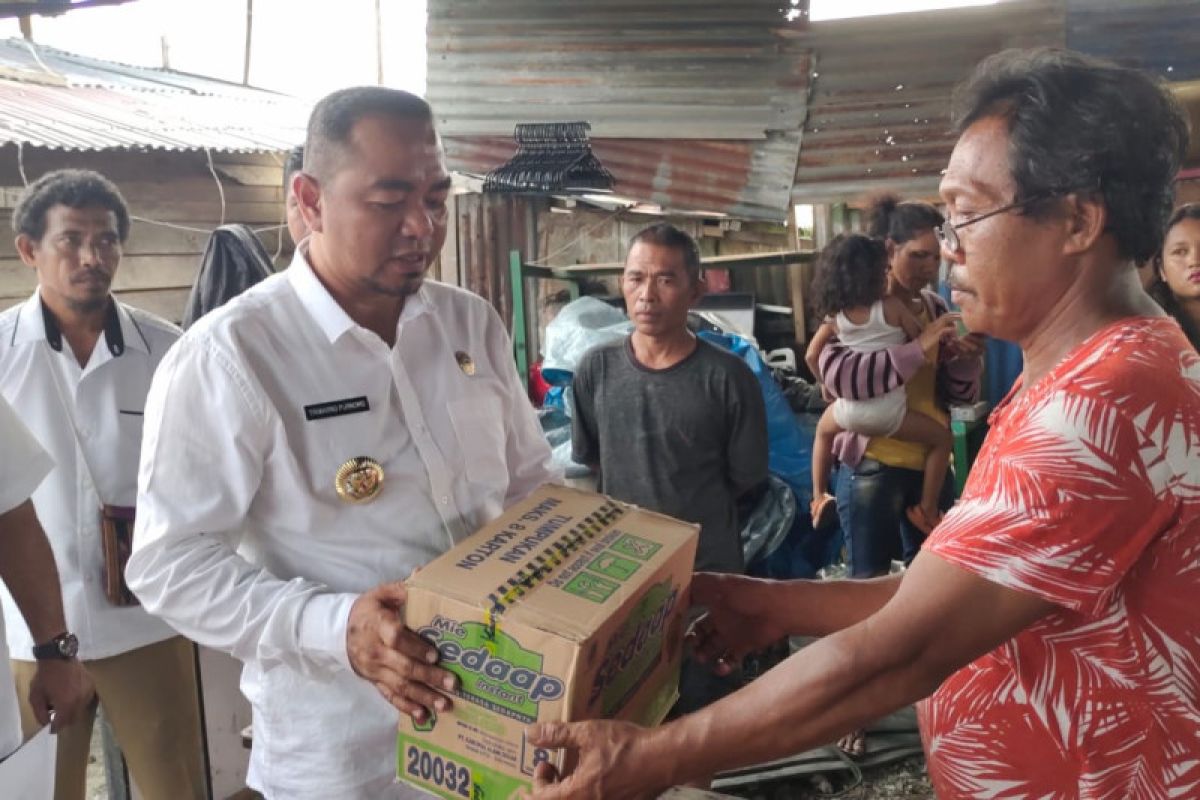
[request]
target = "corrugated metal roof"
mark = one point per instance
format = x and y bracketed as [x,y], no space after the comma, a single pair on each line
[694,104]
[76,103]
[80,71]
[672,69]
[879,114]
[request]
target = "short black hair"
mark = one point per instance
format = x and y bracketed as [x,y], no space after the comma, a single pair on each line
[664,234]
[73,188]
[335,115]
[851,271]
[293,163]
[888,218]
[1082,124]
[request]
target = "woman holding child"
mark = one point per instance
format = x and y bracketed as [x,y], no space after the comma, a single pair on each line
[878,483]
[883,482]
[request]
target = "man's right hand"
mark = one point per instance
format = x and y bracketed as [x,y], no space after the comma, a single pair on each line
[739,619]
[62,687]
[398,662]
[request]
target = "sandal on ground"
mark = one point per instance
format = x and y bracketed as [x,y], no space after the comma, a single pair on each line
[823,511]
[918,518]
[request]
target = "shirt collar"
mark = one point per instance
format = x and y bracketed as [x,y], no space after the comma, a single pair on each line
[331,317]
[35,323]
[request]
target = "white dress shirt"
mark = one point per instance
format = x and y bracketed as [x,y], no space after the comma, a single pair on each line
[22,468]
[242,542]
[39,376]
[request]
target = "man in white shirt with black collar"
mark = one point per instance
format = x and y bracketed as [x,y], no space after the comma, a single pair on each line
[311,443]
[76,364]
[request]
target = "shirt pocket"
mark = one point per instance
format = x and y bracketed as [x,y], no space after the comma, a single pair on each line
[479,427]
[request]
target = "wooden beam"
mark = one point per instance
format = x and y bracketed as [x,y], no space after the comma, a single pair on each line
[740,261]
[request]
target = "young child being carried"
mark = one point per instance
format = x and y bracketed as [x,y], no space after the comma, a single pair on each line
[851,287]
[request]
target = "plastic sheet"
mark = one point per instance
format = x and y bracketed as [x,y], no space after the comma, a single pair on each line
[789,447]
[556,427]
[581,325]
[770,521]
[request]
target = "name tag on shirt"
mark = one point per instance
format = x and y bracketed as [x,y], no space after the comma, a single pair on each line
[337,408]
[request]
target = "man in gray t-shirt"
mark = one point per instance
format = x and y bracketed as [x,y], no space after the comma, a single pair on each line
[686,440]
[673,424]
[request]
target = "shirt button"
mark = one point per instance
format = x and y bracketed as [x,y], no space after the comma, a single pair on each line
[445,500]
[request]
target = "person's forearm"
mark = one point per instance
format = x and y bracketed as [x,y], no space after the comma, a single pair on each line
[28,570]
[211,595]
[819,608]
[941,618]
[860,375]
[830,687]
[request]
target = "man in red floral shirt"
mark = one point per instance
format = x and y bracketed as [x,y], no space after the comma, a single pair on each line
[1049,624]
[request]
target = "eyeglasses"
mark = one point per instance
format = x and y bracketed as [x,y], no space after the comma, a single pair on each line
[947,234]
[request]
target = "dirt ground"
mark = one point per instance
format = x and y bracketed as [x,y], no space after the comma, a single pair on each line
[96,786]
[906,780]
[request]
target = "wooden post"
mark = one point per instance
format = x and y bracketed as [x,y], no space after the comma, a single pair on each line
[26,24]
[519,321]
[796,274]
[249,40]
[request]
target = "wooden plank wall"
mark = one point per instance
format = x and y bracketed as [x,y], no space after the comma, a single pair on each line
[483,229]
[159,262]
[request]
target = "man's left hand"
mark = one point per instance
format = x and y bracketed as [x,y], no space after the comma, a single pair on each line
[61,687]
[612,762]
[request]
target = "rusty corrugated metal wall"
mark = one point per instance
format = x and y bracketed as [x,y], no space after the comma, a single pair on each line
[879,116]
[694,104]
[700,104]
[1160,36]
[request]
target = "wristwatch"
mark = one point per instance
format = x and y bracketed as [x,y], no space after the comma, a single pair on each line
[64,647]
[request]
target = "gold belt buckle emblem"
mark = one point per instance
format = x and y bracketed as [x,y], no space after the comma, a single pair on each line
[359,480]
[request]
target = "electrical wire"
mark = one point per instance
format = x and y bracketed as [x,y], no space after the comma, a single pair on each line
[220,189]
[21,162]
[176,226]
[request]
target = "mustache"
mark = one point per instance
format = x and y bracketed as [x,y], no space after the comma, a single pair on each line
[91,274]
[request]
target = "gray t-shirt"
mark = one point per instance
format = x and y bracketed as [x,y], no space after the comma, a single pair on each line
[685,441]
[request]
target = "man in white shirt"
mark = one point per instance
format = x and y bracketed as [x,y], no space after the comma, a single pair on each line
[75,364]
[311,443]
[27,569]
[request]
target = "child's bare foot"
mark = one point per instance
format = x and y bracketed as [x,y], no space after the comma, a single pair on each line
[924,520]
[823,511]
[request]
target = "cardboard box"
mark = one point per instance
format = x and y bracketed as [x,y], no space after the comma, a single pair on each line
[569,606]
